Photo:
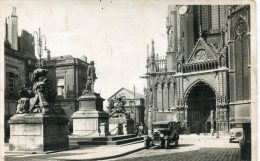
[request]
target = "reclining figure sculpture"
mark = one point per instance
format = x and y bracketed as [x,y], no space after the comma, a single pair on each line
[39,99]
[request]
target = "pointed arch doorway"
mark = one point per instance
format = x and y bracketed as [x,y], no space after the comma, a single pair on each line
[201,102]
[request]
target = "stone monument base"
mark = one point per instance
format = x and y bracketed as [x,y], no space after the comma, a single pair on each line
[90,116]
[127,125]
[38,132]
[87,123]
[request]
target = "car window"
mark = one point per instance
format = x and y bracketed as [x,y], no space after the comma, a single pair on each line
[161,126]
[236,126]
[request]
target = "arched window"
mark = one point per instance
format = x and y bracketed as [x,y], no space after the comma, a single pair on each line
[242,60]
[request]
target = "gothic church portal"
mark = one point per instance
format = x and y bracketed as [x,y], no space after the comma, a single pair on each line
[194,83]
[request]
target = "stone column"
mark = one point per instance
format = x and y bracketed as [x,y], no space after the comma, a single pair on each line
[162,88]
[225,114]
[150,120]
[120,129]
[185,113]
[103,129]
[155,98]
[168,96]
[217,121]
[212,121]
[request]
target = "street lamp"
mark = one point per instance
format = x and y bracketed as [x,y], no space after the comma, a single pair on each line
[134,105]
[40,49]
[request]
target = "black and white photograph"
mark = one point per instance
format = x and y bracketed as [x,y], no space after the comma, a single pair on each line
[130,80]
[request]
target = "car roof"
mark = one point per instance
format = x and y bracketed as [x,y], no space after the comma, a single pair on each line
[163,122]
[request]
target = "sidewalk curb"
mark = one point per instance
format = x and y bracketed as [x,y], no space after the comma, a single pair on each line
[116,156]
[39,152]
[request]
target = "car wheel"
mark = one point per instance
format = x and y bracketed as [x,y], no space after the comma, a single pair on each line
[167,144]
[176,143]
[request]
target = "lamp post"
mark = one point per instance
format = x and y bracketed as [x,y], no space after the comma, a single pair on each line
[134,105]
[38,44]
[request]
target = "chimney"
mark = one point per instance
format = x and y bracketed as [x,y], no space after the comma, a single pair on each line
[6,29]
[13,30]
[84,58]
[14,11]
[48,55]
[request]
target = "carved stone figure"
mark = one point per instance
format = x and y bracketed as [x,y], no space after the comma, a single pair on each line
[23,105]
[117,107]
[146,97]
[24,102]
[39,99]
[150,97]
[88,88]
[39,104]
[179,67]
[223,61]
[91,77]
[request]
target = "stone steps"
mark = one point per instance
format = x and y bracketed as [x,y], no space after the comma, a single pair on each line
[120,137]
[109,140]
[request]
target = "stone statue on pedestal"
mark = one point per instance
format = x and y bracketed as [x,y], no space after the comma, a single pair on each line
[42,125]
[90,120]
[91,77]
[119,117]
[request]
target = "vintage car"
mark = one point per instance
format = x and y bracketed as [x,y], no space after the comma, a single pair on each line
[163,133]
[236,132]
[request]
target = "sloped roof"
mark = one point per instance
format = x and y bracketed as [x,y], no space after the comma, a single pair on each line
[129,94]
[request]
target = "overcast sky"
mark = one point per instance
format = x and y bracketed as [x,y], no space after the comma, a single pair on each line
[112,33]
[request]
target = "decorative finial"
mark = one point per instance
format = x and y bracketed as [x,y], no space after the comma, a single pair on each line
[147,50]
[153,47]
[222,38]
[200,31]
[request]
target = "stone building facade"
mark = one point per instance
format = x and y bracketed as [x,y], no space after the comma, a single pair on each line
[204,79]
[68,76]
[20,60]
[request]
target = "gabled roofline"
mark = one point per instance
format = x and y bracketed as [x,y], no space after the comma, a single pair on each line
[204,44]
[138,95]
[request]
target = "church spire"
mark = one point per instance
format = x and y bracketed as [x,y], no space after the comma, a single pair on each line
[6,29]
[152,60]
[147,50]
[153,53]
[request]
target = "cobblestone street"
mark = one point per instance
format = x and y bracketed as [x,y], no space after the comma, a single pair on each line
[191,148]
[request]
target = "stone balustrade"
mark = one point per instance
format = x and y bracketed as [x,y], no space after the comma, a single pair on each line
[200,66]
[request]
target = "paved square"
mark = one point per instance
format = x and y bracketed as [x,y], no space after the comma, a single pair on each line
[191,148]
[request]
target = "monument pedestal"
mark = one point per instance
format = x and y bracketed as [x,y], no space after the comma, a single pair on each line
[38,132]
[86,121]
[121,126]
